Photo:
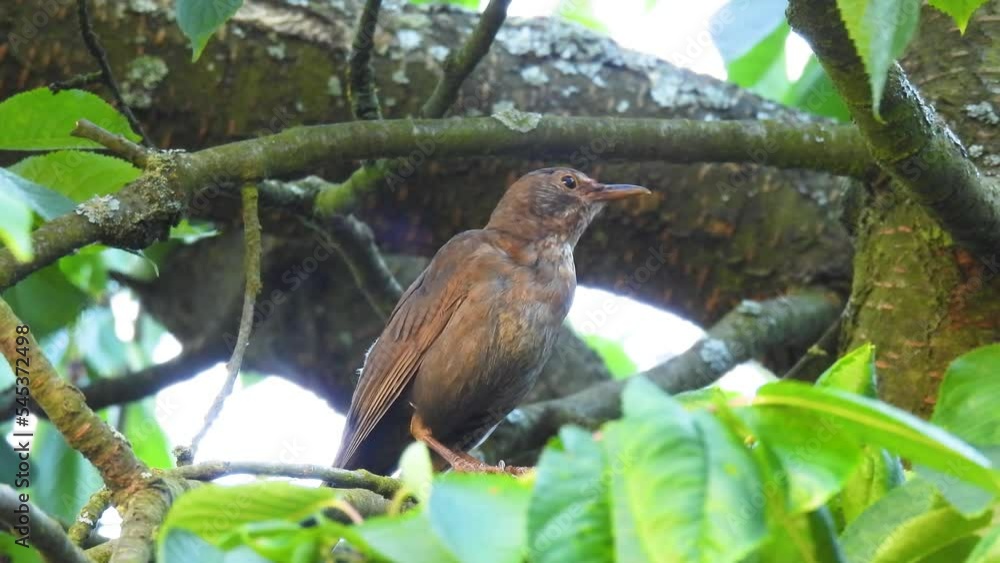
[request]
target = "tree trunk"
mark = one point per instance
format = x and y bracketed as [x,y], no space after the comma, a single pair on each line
[920,298]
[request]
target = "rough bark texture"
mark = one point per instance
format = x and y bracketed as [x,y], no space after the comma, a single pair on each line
[922,299]
[713,235]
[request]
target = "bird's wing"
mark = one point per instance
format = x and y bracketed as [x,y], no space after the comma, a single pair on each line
[418,319]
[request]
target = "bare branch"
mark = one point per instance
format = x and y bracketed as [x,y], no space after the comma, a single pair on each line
[94,46]
[361,89]
[457,67]
[460,64]
[45,533]
[910,142]
[749,331]
[117,144]
[819,356]
[356,245]
[337,478]
[251,265]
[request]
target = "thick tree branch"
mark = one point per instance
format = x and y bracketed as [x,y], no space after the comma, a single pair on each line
[150,205]
[909,142]
[63,403]
[749,331]
[45,533]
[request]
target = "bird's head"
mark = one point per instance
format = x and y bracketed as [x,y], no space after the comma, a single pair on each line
[558,202]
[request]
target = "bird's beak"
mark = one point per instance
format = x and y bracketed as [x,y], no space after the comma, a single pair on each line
[608,192]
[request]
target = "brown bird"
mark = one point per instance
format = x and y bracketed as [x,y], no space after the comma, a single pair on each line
[469,337]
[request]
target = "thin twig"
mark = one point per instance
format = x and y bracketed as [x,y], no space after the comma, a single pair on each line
[460,64]
[82,429]
[818,357]
[355,243]
[361,86]
[94,46]
[43,532]
[251,262]
[91,512]
[457,68]
[337,478]
[77,81]
[136,154]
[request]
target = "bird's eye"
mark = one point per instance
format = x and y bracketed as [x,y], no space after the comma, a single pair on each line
[569,182]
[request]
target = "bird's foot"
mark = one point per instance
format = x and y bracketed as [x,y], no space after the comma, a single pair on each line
[482,467]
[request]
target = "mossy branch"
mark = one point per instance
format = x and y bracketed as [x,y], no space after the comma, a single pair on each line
[154,202]
[66,408]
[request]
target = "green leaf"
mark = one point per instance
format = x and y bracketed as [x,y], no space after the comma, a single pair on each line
[877,474]
[61,479]
[85,269]
[199,19]
[15,225]
[467,4]
[76,174]
[966,406]
[958,550]
[815,93]
[416,471]
[8,549]
[805,538]
[40,120]
[878,470]
[146,435]
[613,353]
[959,10]
[214,512]
[988,548]
[873,422]
[482,517]
[740,25]
[680,483]
[909,522]
[47,203]
[706,397]
[762,68]
[581,12]
[880,31]
[969,395]
[181,546]
[570,516]
[855,372]
[816,459]
[407,538]
[45,300]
